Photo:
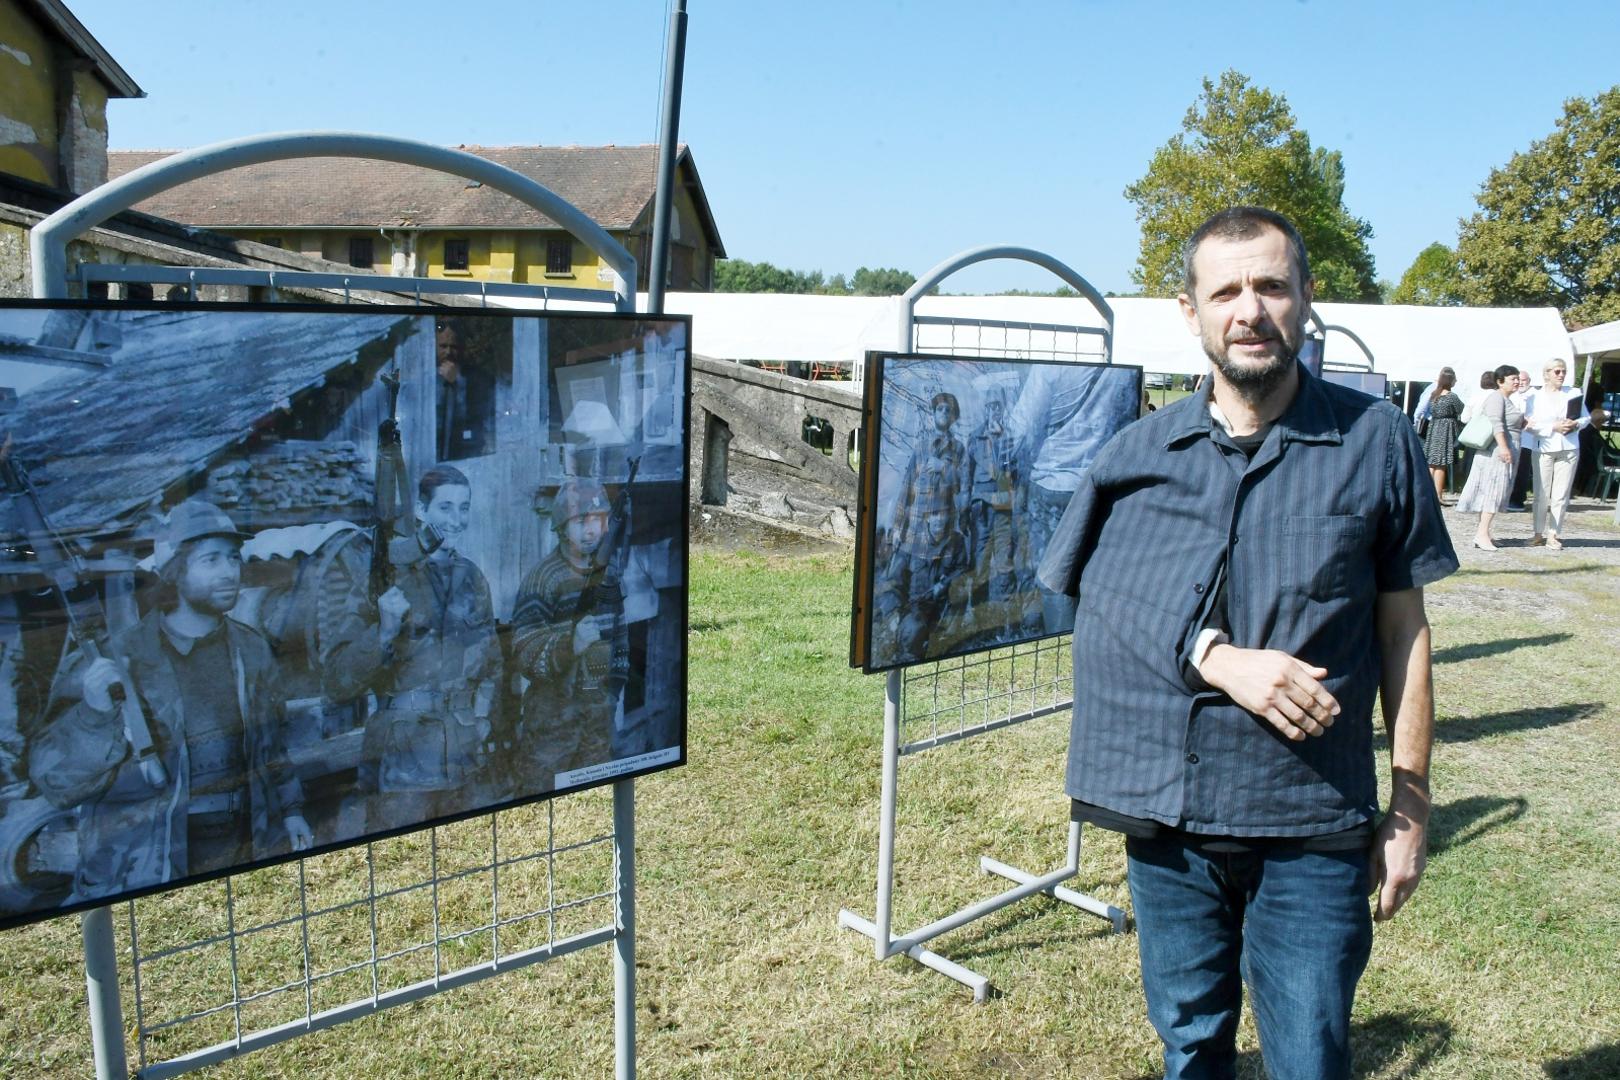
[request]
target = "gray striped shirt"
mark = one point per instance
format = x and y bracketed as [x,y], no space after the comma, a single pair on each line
[1335,507]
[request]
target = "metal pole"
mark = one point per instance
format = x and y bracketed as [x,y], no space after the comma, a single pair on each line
[668,144]
[95,926]
[624,938]
[891,783]
[101,984]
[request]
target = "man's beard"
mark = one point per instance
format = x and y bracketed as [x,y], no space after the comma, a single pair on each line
[1252,383]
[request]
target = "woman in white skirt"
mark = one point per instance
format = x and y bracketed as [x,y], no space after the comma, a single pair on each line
[1491,478]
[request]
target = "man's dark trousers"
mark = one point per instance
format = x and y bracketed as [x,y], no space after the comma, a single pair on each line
[1198,910]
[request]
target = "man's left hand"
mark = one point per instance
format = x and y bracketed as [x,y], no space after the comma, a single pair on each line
[1399,852]
[298,832]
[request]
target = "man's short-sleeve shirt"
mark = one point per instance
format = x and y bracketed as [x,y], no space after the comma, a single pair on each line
[1335,507]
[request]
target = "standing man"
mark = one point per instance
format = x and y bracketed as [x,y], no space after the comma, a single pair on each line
[209,687]
[1250,564]
[1554,414]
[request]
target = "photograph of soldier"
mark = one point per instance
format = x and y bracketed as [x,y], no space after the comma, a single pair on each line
[427,649]
[929,552]
[994,500]
[222,794]
[958,521]
[264,615]
[569,639]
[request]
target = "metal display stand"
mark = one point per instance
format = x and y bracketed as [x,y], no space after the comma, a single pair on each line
[533,875]
[973,695]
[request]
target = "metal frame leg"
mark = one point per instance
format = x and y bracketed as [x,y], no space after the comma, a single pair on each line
[101,984]
[624,940]
[885,944]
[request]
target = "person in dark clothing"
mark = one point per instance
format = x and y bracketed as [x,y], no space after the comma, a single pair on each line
[1249,565]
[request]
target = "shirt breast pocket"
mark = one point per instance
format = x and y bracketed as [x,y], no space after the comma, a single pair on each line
[1324,557]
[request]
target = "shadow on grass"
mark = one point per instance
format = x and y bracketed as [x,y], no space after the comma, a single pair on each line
[1458,653]
[1377,1044]
[1457,823]
[1588,542]
[1469,728]
[1539,571]
[1598,1063]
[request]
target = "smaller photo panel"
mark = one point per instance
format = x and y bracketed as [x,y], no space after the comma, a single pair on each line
[966,468]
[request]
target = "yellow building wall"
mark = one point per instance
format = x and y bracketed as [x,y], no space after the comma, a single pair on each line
[28,132]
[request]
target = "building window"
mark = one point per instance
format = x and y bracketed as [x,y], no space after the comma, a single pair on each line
[360,251]
[455,253]
[560,255]
[271,241]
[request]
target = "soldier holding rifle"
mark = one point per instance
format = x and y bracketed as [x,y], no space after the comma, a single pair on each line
[569,636]
[207,684]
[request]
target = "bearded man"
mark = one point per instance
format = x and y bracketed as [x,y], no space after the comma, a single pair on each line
[1250,563]
[209,686]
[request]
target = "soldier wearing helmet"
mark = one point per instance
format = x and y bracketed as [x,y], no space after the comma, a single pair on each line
[208,685]
[569,638]
[927,548]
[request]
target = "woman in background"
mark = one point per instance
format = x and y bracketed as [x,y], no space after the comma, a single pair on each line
[1491,478]
[1440,443]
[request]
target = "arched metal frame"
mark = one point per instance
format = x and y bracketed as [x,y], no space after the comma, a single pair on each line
[49,239]
[908,301]
[880,928]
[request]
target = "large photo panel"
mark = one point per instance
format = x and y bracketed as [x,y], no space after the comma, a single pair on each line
[275,579]
[966,467]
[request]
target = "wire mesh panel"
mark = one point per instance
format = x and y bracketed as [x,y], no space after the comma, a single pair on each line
[257,958]
[968,695]
[941,336]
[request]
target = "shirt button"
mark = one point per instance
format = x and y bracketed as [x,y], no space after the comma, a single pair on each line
[1199,589]
[1192,759]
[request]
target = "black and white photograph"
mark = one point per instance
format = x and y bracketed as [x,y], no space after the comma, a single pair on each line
[967,465]
[280,578]
[1375,383]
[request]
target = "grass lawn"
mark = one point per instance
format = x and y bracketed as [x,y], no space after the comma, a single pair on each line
[1505,964]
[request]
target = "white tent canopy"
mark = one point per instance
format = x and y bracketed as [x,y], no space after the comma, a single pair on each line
[1597,340]
[1407,343]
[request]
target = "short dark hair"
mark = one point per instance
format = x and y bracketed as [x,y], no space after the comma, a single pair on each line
[1504,373]
[1487,379]
[436,478]
[1243,223]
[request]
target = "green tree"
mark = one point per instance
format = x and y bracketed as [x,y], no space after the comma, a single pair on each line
[885,281]
[1431,280]
[1548,227]
[740,275]
[1239,144]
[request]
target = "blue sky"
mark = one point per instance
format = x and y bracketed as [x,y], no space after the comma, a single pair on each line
[837,134]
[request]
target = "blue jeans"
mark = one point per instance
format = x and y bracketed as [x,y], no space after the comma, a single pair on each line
[1293,924]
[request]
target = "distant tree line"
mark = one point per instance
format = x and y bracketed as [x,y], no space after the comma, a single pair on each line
[740,275]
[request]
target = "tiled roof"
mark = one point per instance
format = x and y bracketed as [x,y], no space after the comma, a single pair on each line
[614,185]
[182,391]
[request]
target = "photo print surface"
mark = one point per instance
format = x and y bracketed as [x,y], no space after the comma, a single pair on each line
[278,579]
[966,467]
